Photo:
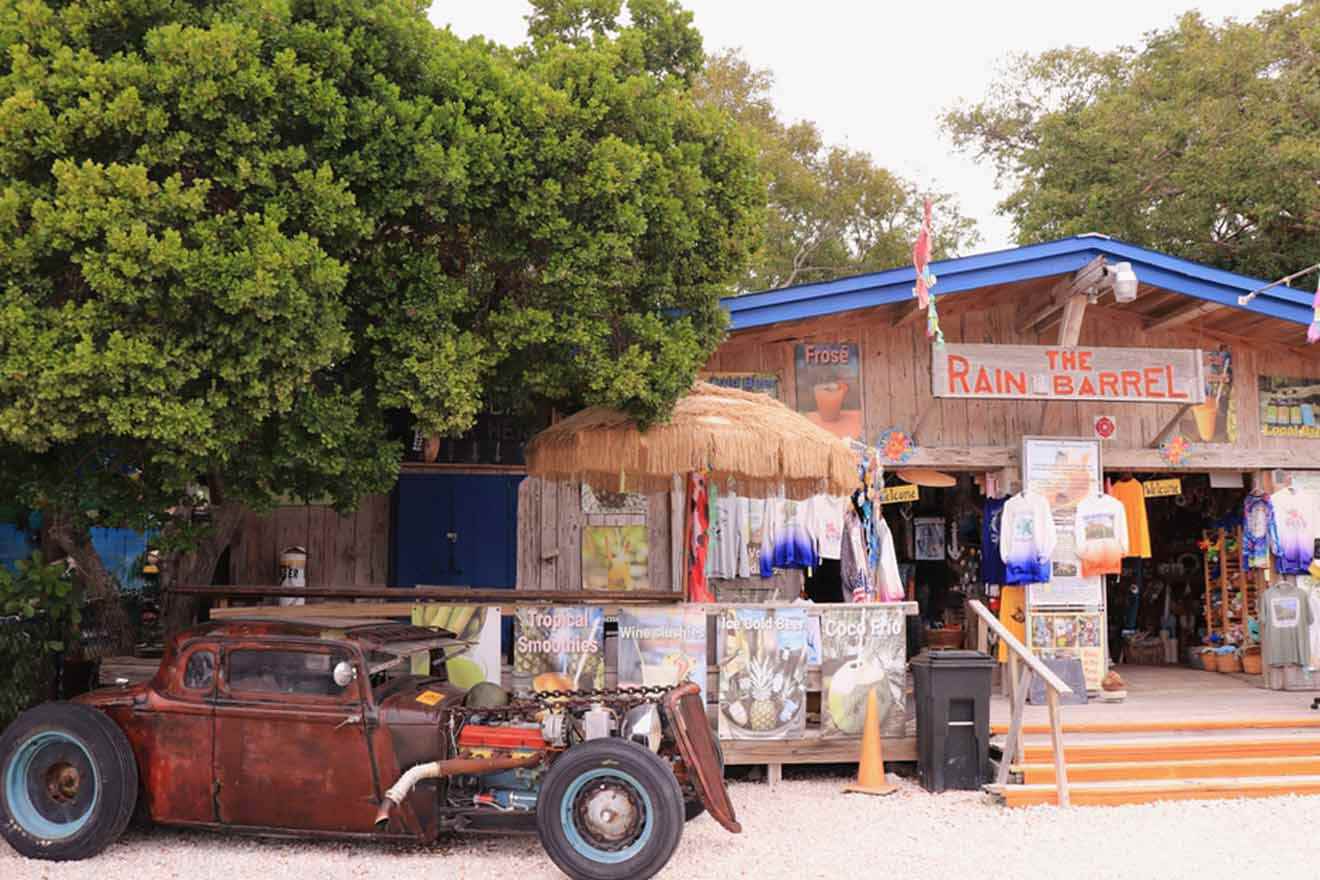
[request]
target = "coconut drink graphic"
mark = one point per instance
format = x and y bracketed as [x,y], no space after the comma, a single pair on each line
[848,691]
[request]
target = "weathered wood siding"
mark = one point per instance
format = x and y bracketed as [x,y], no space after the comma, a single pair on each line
[342,551]
[550,522]
[896,379]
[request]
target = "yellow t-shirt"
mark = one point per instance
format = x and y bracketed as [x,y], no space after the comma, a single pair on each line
[1013,615]
[1133,497]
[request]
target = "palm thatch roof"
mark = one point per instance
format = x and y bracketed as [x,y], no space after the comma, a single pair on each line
[752,440]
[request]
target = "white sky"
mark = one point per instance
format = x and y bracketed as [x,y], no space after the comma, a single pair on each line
[877,75]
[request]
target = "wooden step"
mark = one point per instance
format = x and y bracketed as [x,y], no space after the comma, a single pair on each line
[1117,793]
[1187,748]
[1304,722]
[1138,771]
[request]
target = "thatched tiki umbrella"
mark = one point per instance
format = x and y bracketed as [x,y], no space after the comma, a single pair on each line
[753,440]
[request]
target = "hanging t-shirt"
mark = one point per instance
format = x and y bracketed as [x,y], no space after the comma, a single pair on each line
[1102,535]
[784,541]
[1297,522]
[992,564]
[698,539]
[888,580]
[1027,539]
[1133,497]
[730,535]
[1013,615]
[1259,532]
[1314,632]
[1285,626]
[823,519]
[854,569]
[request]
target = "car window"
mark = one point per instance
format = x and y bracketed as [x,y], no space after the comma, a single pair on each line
[284,672]
[199,673]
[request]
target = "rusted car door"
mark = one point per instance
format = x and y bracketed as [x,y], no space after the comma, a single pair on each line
[172,733]
[291,749]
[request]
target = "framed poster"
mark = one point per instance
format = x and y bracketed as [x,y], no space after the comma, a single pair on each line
[614,558]
[559,648]
[1070,634]
[829,386]
[1064,470]
[1214,420]
[763,673]
[929,538]
[662,646]
[863,649]
[1289,407]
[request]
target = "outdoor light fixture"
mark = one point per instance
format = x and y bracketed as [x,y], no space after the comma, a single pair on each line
[1123,280]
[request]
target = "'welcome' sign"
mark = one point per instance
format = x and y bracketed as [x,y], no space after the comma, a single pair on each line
[1044,372]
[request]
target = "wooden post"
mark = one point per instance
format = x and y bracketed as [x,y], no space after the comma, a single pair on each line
[1013,744]
[1060,759]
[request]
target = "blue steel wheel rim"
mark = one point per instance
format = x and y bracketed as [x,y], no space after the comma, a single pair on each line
[611,778]
[52,786]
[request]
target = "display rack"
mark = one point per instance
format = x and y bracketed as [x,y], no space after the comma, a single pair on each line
[1231,592]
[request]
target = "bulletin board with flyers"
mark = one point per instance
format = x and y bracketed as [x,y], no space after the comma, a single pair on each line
[1066,617]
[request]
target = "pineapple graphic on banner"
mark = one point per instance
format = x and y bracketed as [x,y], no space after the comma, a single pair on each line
[763,673]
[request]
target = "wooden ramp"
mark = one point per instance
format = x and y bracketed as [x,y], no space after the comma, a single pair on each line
[1141,763]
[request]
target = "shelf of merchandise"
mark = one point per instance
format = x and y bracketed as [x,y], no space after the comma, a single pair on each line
[1227,583]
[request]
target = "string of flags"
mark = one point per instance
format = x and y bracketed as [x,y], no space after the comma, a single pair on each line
[926,280]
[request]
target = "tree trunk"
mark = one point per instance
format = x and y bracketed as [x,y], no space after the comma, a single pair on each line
[197,567]
[75,542]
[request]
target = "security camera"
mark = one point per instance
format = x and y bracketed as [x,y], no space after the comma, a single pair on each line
[1123,280]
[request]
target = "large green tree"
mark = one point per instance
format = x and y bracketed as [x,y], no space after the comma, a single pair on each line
[833,211]
[238,236]
[1204,141]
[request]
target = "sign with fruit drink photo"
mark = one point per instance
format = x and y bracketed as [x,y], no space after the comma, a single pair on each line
[559,648]
[863,649]
[763,673]
[479,627]
[662,646]
[829,386]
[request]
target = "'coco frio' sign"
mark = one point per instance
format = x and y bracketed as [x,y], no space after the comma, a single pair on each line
[1045,372]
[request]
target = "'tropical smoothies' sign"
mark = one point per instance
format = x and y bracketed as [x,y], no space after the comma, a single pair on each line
[829,386]
[1044,372]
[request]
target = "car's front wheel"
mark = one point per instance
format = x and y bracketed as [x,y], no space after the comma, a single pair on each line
[610,810]
[68,782]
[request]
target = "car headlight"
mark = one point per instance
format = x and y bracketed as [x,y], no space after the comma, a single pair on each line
[641,724]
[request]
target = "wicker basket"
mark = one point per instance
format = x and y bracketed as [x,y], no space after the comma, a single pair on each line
[1251,661]
[1229,662]
[948,637]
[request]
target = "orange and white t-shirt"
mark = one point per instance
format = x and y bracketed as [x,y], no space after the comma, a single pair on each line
[1102,535]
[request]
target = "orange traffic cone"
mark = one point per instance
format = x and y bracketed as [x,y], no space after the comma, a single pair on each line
[871,767]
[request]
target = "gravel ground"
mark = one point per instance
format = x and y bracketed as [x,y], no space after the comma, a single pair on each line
[803,829]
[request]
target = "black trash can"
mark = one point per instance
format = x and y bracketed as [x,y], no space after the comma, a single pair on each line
[952,690]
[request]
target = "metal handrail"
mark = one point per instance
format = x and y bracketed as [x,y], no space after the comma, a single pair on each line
[1019,683]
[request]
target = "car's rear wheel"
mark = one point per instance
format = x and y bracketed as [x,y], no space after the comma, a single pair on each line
[68,782]
[610,810]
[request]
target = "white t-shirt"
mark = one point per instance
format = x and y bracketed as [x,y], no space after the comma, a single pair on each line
[730,534]
[823,520]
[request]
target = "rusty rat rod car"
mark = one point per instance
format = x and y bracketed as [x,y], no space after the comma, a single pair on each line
[321,729]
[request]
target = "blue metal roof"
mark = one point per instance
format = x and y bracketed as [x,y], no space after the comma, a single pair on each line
[1013,265]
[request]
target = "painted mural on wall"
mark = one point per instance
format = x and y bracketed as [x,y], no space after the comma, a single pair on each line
[829,385]
[1215,419]
[1289,407]
[614,558]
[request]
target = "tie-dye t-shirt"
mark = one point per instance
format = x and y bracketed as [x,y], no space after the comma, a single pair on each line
[1296,521]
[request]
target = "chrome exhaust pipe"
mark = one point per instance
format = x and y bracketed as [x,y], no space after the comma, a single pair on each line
[400,790]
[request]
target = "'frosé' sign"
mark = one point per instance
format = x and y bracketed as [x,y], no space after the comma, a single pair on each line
[1044,372]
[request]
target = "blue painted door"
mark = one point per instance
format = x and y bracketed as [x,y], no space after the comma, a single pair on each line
[456,530]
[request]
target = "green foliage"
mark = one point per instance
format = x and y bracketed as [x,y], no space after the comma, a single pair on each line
[240,235]
[38,591]
[1203,142]
[833,211]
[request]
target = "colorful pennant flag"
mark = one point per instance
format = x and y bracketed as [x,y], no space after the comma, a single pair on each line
[925,280]
[1313,332]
